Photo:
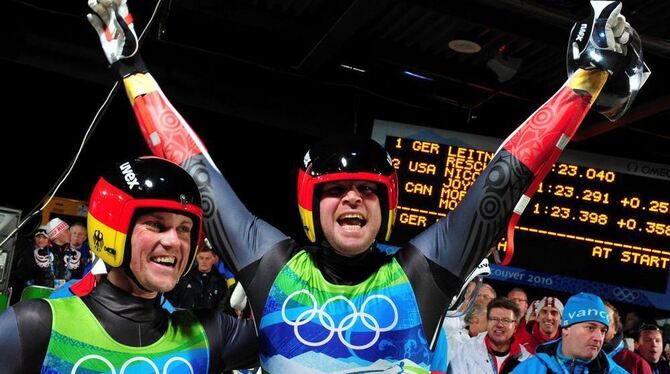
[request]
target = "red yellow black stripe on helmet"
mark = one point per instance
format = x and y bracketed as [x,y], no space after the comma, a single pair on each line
[112,210]
[307,185]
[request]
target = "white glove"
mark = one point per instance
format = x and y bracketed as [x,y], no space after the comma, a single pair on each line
[114,26]
[610,21]
[608,33]
[607,42]
[238,299]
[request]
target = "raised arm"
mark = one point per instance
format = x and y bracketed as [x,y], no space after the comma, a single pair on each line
[243,237]
[460,241]
[501,193]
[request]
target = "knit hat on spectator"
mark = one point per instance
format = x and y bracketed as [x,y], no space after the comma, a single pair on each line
[55,227]
[42,230]
[550,301]
[584,307]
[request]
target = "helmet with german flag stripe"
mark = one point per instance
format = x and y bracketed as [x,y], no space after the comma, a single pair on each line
[346,157]
[146,183]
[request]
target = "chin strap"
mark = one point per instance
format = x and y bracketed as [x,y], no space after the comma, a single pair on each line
[131,275]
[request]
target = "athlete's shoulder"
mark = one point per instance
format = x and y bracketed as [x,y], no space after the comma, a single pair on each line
[26,328]
[32,311]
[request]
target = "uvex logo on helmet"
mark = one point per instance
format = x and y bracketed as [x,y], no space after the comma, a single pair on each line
[129,175]
[131,188]
[582,32]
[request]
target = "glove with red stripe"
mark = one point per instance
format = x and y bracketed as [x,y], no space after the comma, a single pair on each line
[114,25]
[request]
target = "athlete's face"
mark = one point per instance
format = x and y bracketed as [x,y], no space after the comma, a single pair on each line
[350,215]
[161,243]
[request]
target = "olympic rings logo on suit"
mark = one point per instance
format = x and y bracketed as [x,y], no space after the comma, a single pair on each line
[112,370]
[345,324]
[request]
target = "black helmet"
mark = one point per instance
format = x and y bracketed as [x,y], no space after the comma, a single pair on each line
[346,157]
[627,69]
[143,183]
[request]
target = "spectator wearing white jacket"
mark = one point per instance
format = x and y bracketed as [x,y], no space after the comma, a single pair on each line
[493,351]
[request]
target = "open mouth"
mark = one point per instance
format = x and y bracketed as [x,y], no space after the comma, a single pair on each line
[352,219]
[168,261]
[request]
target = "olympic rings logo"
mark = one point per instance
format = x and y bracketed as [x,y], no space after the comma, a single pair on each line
[112,370]
[345,324]
[624,294]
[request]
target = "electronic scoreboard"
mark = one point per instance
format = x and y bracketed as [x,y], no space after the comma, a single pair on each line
[597,224]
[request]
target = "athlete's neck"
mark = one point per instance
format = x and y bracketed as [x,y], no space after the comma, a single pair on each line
[128,319]
[120,279]
[346,270]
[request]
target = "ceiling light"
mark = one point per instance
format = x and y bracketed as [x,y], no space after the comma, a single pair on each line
[353,68]
[416,75]
[503,65]
[464,46]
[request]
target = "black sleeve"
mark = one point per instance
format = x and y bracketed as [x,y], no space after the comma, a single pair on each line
[433,293]
[243,237]
[233,342]
[459,242]
[25,330]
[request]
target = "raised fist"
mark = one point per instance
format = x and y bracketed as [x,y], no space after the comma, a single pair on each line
[606,41]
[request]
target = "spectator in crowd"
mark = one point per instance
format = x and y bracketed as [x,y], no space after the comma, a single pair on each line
[631,325]
[79,243]
[495,350]
[486,294]
[43,269]
[521,334]
[64,260]
[614,346]
[31,264]
[546,327]
[202,287]
[583,330]
[455,327]
[475,320]
[649,345]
